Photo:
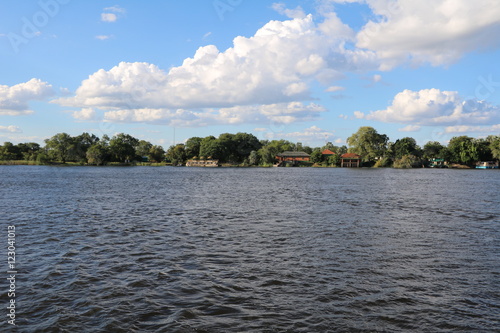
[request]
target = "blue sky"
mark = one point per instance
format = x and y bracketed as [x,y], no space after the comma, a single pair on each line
[306,71]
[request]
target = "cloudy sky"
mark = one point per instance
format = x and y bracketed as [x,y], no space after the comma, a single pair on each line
[309,71]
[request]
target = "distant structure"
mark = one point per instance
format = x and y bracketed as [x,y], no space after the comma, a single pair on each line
[437,163]
[203,163]
[350,160]
[293,156]
[327,152]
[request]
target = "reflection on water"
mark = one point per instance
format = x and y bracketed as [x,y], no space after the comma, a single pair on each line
[254,250]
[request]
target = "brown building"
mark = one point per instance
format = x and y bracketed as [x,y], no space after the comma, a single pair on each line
[327,152]
[293,156]
[350,160]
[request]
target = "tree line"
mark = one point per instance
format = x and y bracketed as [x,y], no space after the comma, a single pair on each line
[84,149]
[247,150]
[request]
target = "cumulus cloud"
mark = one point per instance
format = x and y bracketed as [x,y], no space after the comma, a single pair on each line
[291,13]
[334,89]
[110,14]
[273,67]
[283,59]
[311,134]
[410,128]
[86,114]
[109,17]
[14,100]
[103,37]
[474,129]
[434,107]
[115,9]
[10,129]
[435,31]
[283,113]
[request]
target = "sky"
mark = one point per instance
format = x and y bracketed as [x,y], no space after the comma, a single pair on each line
[305,71]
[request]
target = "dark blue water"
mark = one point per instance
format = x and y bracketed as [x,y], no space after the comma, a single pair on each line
[253,250]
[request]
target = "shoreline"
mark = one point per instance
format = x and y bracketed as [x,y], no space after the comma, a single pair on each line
[147,164]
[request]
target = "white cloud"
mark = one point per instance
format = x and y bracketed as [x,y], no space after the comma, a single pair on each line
[85,114]
[103,37]
[309,135]
[109,17]
[115,9]
[334,89]
[410,128]
[434,107]
[273,67]
[14,100]
[376,78]
[474,129]
[291,13]
[435,31]
[10,129]
[284,113]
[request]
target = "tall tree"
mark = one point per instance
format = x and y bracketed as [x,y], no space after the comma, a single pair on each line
[60,146]
[143,148]
[466,150]
[156,153]
[434,149]
[405,146]
[98,153]
[494,143]
[177,154]
[368,143]
[122,147]
[193,147]
[81,144]
[10,152]
[29,150]
[211,147]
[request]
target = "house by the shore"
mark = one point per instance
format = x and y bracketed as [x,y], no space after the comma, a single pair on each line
[350,160]
[203,163]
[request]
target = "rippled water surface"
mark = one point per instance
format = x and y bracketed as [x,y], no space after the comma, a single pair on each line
[253,250]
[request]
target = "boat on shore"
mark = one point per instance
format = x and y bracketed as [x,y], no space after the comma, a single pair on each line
[203,163]
[487,165]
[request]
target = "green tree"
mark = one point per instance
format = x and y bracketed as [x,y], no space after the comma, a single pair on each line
[9,152]
[193,147]
[122,147]
[316,156]
[98,153]
[81,144]
[334,160]
[464,150]
[177,154]
[405,146]
[244,144]
[434,149]
[407,162]
[211,147]
[29,150]
[60,147]
[368,143]
[494,144]
[156,153]
[253,158]
[143,148]
[270,149]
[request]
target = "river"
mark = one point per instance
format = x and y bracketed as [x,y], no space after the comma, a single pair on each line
[165,249]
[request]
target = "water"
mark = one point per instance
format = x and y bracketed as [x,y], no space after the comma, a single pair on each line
[253,250]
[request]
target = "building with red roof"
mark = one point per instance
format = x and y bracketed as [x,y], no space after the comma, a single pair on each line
[350,160]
